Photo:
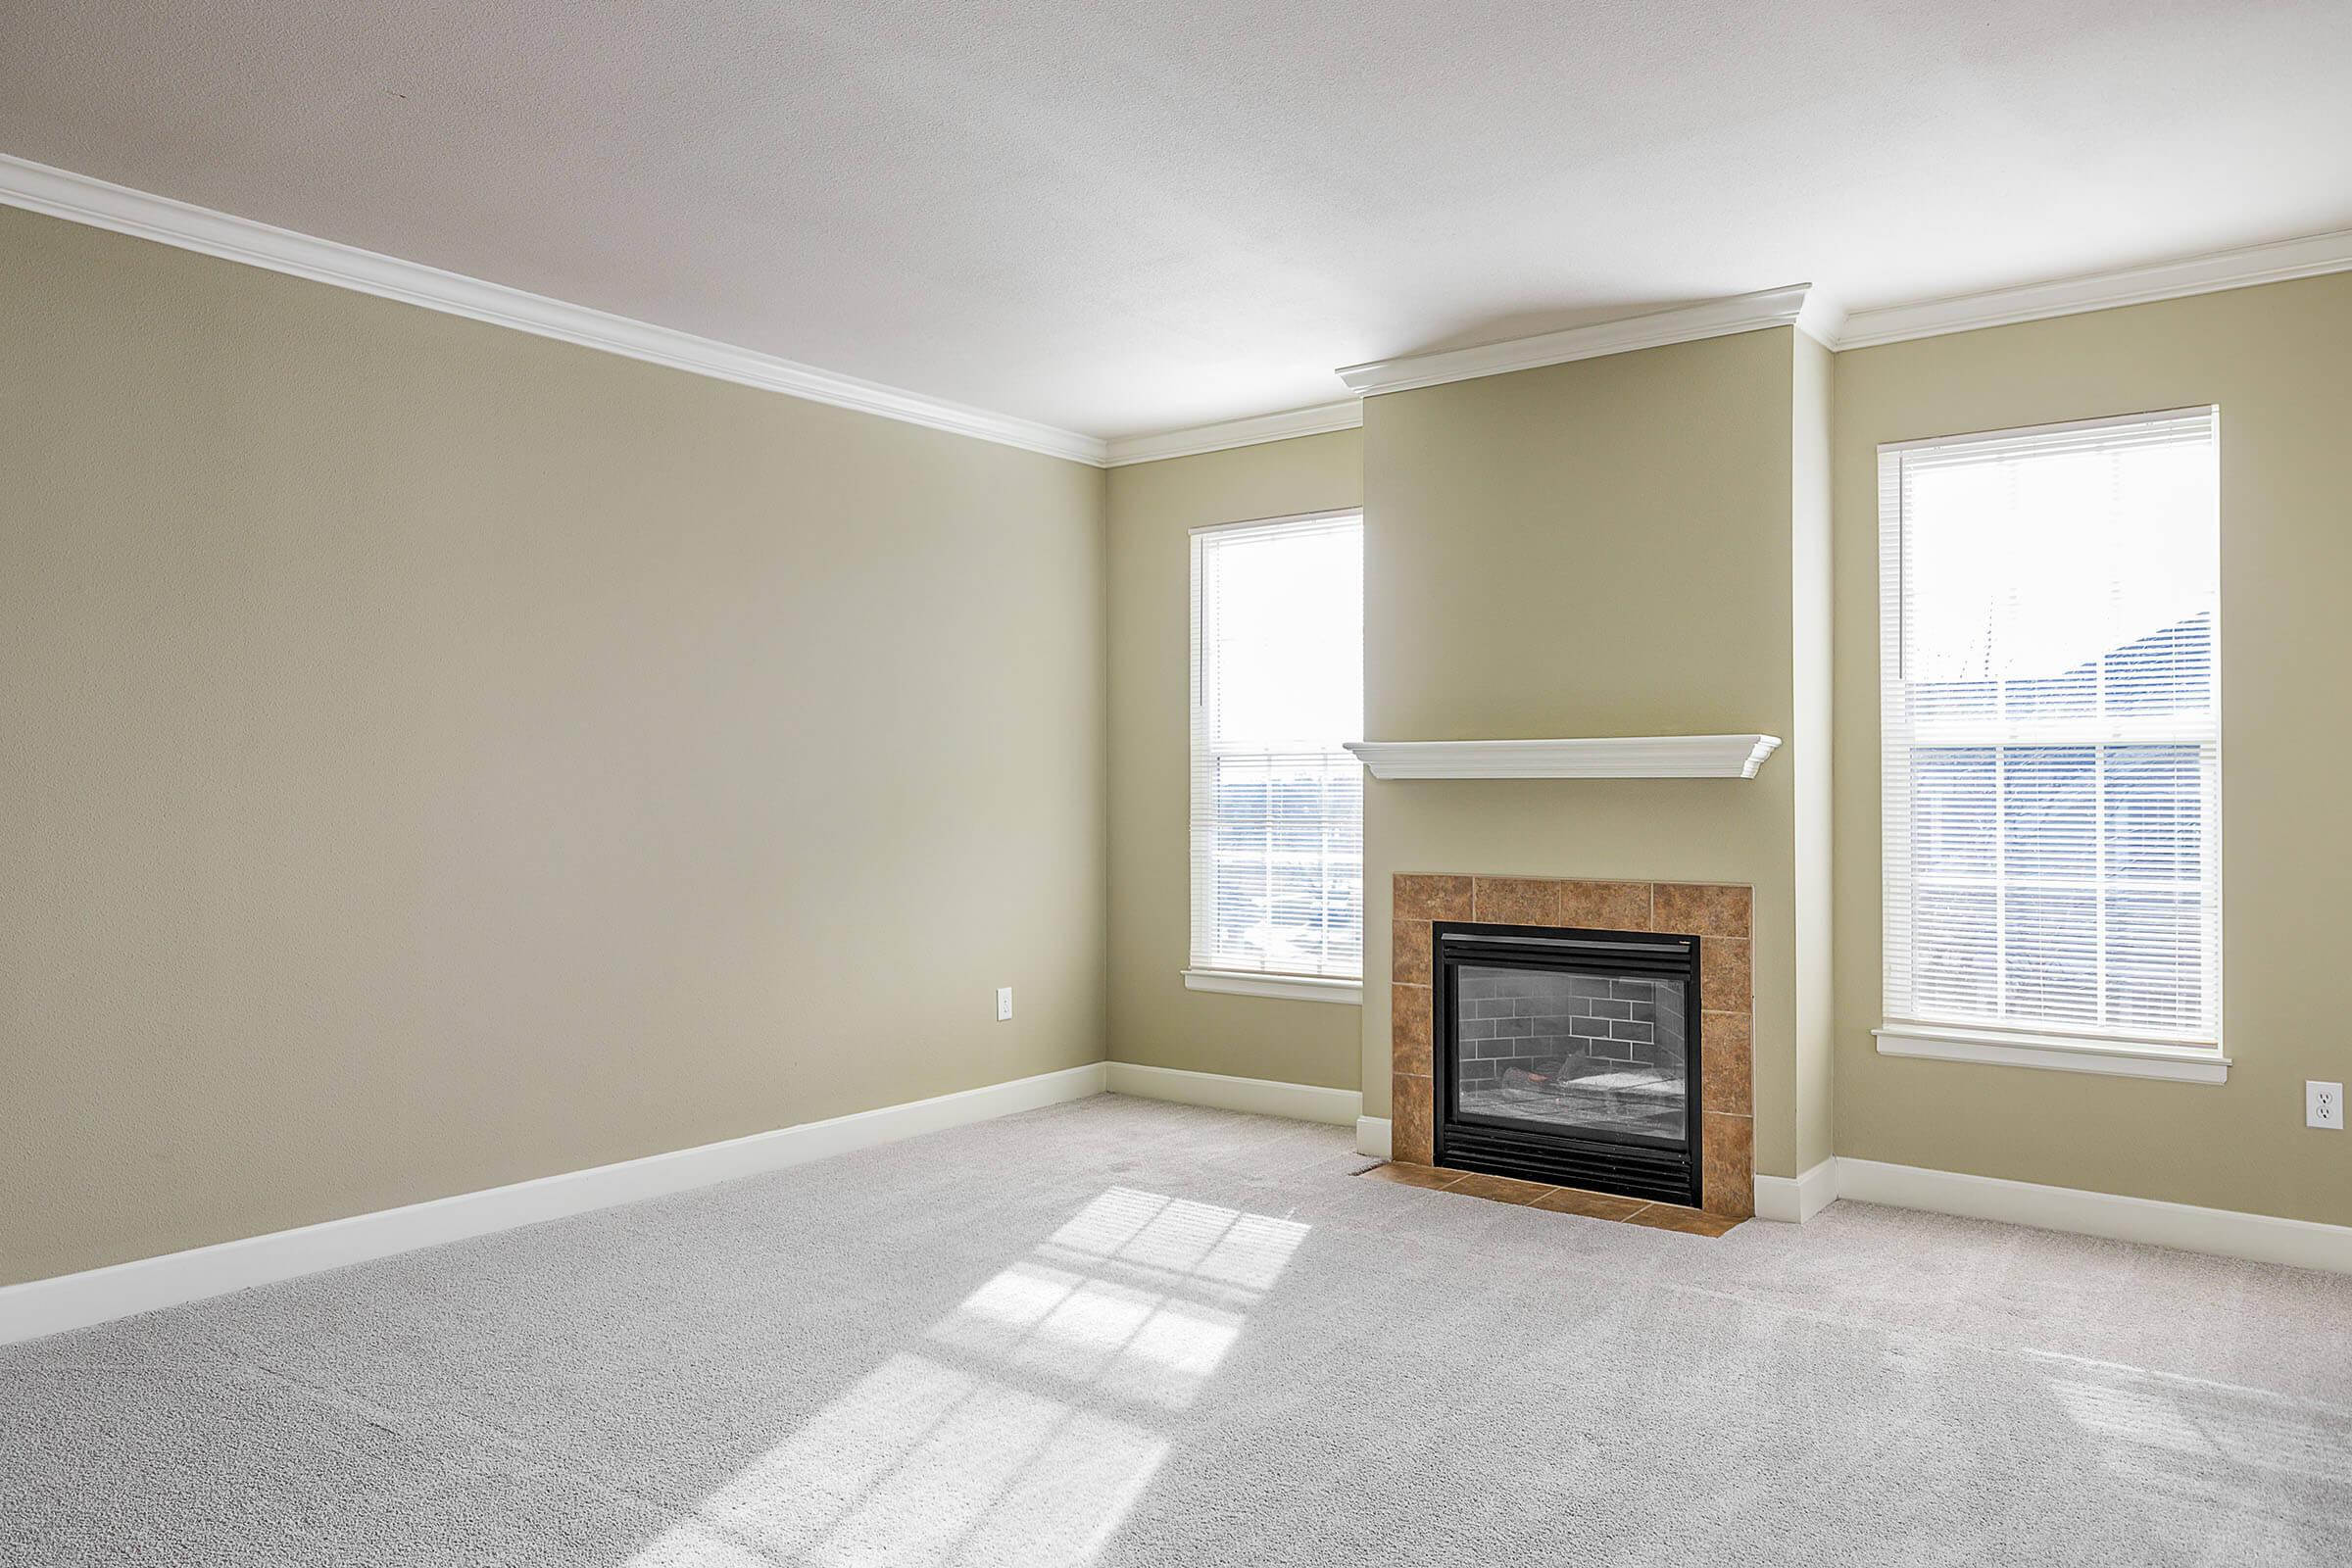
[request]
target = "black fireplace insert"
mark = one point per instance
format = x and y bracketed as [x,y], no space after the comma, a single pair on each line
[1569,1056]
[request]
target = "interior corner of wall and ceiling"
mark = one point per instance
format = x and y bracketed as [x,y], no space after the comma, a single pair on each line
[1108,226]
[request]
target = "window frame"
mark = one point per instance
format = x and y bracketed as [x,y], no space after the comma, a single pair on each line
[1201,971]
[2029,1042]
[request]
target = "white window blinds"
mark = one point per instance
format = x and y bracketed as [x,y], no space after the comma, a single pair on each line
[2051,725]
[1277,807]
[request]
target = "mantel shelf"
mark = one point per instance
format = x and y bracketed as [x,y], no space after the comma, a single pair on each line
[1609,757]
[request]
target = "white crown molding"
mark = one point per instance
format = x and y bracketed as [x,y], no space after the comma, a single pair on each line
[80,199]
[1250,432]
[1822,318]
[1256,1097]
[1812,312]
[75,1301]
[1741,313]
[1612,756]
[2253,264]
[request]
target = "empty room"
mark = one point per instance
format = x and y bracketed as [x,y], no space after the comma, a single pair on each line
[1021,784]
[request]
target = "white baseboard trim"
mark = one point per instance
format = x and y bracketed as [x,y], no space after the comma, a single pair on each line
[1794,1199]
[40,1307]
[1259,1097]
[1372,1137]
[2226,1233]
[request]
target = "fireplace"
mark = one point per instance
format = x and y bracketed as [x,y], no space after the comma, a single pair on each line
[1568,1056]
[1576,1106]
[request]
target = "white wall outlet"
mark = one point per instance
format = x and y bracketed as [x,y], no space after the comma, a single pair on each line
[1003,1002]
[2324,1105]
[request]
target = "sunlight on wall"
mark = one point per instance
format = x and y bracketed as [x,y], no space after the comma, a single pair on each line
[988,1451]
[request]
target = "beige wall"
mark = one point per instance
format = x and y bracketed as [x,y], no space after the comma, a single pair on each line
[1601,548]
[2278,362]
[437,757]
[1153,1018]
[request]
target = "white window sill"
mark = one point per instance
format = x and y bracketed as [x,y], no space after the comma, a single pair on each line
[2119,1058]
[1282,987]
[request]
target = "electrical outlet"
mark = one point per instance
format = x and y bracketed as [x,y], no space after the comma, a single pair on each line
[1003,1002]
[2324,1105]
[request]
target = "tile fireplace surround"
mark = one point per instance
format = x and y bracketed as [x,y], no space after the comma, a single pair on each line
[1718,912]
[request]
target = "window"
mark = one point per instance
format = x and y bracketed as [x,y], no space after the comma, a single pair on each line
[1277,806]
[2051,725]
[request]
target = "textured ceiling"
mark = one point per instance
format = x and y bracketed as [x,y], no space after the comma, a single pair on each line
[1124,218]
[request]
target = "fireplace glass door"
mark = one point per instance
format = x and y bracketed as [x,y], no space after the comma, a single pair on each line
[1572,1053]
[1569,1056]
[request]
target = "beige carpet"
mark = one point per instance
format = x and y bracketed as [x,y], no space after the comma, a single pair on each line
[1128,1333]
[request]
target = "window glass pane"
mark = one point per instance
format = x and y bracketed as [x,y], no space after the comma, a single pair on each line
[1289,657]
[2169,671]
[2051,963]
[1952,930]
[2029,566]
[2047,805]
[1952,811]
[2154,944]
[2155,814]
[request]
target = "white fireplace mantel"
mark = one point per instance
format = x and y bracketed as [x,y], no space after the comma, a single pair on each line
[1607,756]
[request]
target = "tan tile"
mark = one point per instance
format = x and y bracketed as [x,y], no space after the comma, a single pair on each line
[1408,1030]
[1703,908]
[1515,901]
[1410,1130]
[1688,1221]
[1404,1175]
[1605,906]
[1501,1189]
[1431,898]
[1727,1181]
[1726,1071]
[1723,979]
[1592,1205]
[1409,952]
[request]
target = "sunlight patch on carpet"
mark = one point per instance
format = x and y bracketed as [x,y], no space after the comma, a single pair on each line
[987,1448]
